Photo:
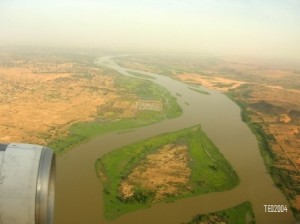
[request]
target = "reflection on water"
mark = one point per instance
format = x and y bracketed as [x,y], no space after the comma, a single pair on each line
[79,191]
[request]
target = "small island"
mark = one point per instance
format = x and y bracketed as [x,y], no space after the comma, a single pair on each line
[164,168]
[241,214]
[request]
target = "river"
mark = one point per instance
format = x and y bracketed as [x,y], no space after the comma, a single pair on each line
[79,191]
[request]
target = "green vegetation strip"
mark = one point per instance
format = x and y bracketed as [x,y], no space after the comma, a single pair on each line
[131,89]
[210,171]
[240,214]
[264,140]
[141,75]
[279,176]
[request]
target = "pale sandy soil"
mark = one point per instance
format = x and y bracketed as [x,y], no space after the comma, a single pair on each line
[41,97]
[267,83]
[164,172]
[280,125]
[38,106]
[210,82]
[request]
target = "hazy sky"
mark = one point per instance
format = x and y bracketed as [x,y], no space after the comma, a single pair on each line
[252,27]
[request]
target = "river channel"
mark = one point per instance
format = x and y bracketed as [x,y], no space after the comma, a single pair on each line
[79,191]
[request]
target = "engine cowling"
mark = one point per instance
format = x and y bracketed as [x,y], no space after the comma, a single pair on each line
[27,184]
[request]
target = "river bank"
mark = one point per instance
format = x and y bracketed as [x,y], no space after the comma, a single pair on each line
[115,118]
[220,120]
[241,214]
[206,171]
[266,144]
[269,103]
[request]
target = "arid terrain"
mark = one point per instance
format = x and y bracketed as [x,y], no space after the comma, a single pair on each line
[162,168]
[268,94]
[163,172]
[42,95]
[276,111]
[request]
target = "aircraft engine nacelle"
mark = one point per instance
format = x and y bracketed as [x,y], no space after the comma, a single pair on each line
[27,184]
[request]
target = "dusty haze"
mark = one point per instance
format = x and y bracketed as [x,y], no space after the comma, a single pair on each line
[267,28]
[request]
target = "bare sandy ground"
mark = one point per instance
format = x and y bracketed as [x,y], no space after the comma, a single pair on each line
[272,86]
[37,106]
[164,172]
[279,122]
[41,97]
[217,83]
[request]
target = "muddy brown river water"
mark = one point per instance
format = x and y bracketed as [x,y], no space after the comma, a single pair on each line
[79,191]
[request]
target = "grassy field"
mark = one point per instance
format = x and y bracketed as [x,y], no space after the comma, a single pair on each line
[240,214]
[210,171]
[130,89]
